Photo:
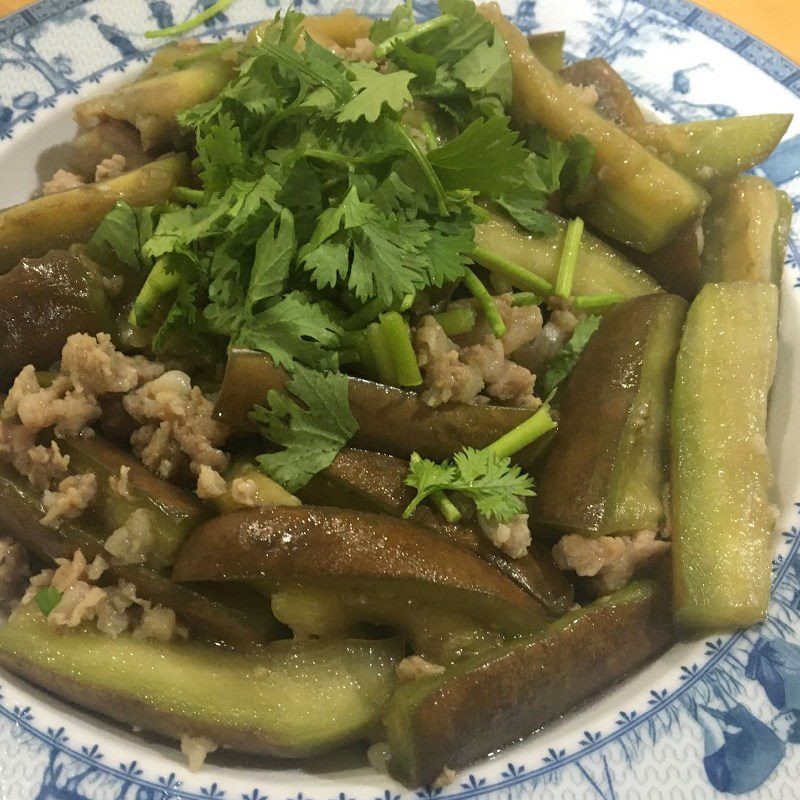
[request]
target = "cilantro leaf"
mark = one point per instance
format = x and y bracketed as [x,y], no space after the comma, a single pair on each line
[401,19]
[374,89]
[294,329]
[121,234]
[311,434]
[561,366]
[487,69]
[47,598]
[486,157]
[493,483]
[274,252]
[220,153]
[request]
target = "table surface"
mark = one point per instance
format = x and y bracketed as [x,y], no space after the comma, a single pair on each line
[777,22]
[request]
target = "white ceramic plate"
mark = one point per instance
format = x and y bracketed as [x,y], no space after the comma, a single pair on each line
[721,715]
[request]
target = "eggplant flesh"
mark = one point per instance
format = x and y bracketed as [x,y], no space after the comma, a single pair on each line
[375,482]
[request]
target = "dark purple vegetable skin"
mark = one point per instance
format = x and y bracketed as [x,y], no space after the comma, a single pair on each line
[42,302]
[493,700]
[390,420]
[375,482]
[20,512]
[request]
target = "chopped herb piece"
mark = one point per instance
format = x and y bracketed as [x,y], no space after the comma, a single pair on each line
[47,598]
[569,257]
[519,276]
[486,302]
[193,22]
[561,366]
[597,302]
[456,321]
[536,426]
[398,342]
[312,423]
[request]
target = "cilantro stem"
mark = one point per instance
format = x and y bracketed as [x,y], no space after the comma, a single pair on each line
[193,22]
[456,321]
[486,302]
[381,354]
[366,314]
[349,355]
[524,434]
[597,302]
[569,257]
[427,169]
[184,194]
[519,276]
[210,51]
[159,282]
[420,29]
[398,342]
[445,505]
[431,139]
[366,358]
[525,299]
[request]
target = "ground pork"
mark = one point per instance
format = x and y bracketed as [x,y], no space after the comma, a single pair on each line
[93,363]
[244,491]
[119,483]
[538,353]
[111,167]
[362,50]
[446,777]
[176,419]
[196,748]
[133,542]
[458,371]
[210,483]
[14,570]
[74,495]
[61,182]
[415,667]
[378,756]
[611,560]
[513,538]
[159,623]
[40,464]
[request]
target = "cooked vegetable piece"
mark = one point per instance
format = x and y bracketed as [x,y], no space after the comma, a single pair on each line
[151,105]
[638,199]
[615,101]
[746,230]
[20,512]
[390,420]
[42,302]
[676,266]
[489,701]
[173,513]
[600,269]
[352,552]
[375,482]
[342,29]
[605,471]
[105,140]
[266,492]
[288,699]
[58,220]
[712,150]
[548,48]
[721,513]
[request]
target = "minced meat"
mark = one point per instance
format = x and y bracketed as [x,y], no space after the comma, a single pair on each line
[415,667]
[196,749]
[62,181]
[536,354]
[134,541]
[477,362]
[513,538]
[74,495]
[111,167]
[119,483]
[210,483]
[244,491]
[14,570]
[611,560]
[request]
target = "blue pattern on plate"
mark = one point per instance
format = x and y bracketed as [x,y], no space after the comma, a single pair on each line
[736,714]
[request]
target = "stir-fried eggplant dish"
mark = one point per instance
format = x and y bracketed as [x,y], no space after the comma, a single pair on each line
[382,381]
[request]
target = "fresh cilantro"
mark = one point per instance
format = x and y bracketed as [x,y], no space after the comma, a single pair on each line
[294,329]
[487,69]
[374,90]
[486,157]
[47,598]
[312,423]
[273,255]
[561,366]
[121,234]
[493,483]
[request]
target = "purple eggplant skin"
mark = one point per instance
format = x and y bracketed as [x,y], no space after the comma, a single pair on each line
[493,700]
[603,424]
[20,511]
[42,302]
[375,482]
[390,420]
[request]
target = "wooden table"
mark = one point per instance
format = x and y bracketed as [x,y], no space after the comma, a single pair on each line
[777,22]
